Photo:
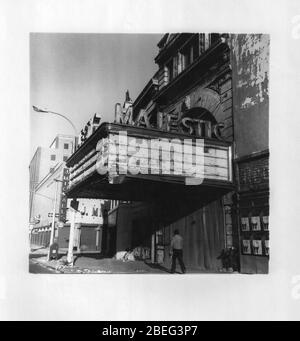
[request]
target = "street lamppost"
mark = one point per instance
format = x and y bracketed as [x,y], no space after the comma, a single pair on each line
[72,225]
[61,115]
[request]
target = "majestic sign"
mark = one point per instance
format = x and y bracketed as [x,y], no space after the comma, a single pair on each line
[197,121]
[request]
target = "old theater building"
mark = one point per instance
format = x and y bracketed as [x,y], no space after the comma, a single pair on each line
[208,101]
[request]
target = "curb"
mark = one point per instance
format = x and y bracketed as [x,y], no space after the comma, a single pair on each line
[49,267]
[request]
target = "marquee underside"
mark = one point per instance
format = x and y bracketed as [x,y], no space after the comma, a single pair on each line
[145,187]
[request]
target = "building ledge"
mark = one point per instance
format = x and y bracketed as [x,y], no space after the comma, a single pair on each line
[192,74]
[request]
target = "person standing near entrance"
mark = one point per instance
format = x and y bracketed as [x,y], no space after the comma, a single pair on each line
[177,251]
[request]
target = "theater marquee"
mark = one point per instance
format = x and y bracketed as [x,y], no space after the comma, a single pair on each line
[138,148]
[125,150]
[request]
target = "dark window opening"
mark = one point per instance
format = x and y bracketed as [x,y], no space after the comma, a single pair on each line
[170,70]
[153,119]
[186,57]
[214,37]
[66,146]
[201,43]
[53,157]
[195,46]
[175,66]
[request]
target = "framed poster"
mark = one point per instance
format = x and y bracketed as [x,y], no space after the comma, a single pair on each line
[246,247]
[257,247]
[265,220]
[266,245]
[255,223]
[245,224]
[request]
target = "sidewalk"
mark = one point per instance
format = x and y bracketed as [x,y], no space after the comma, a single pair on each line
[96,264]
[90,263]
[38,250]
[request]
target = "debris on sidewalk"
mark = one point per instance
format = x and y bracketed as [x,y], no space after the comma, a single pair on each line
[90,265]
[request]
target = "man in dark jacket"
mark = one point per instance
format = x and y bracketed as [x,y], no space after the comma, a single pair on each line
[177,251]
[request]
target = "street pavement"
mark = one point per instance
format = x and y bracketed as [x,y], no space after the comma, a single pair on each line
[88,263]
[36,268]
[96,264]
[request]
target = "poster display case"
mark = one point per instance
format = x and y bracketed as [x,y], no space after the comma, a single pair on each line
[257,247]
[246,247]
[265,221]
[254,226]
[245,226]
[255,223]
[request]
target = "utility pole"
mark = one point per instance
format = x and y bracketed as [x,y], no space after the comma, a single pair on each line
[71,238]
[74,209]
[53,217]
[72,227]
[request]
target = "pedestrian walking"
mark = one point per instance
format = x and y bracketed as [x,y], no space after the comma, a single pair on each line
[177,251]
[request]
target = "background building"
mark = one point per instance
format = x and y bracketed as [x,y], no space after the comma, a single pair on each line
[44,196]
[45,160]
[54,184]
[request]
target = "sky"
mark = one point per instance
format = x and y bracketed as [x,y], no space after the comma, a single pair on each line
[78,75]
